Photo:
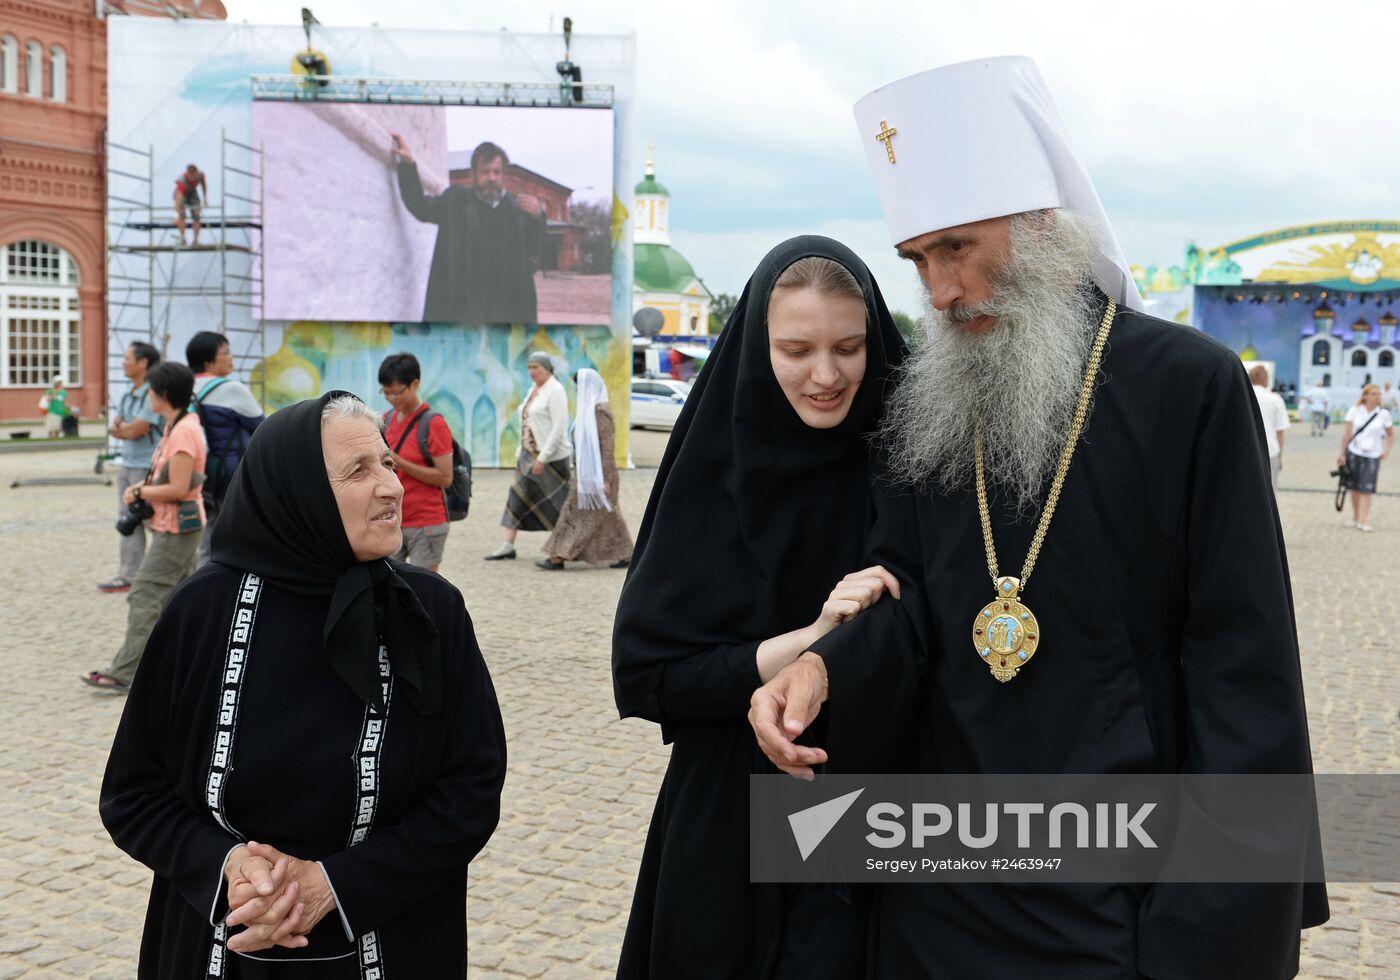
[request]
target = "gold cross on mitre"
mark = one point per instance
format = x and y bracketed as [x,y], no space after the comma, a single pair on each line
[886,136]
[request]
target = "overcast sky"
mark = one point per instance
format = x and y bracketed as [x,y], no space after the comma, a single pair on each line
[1202,122]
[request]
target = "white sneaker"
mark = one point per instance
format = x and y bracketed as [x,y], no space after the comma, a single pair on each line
[1350,523]
[1365,527]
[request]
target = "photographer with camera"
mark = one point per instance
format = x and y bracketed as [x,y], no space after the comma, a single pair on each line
[1368,434]
[136,426]
[169,497]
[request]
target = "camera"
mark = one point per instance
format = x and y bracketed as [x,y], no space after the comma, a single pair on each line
[1342,472]
[139,511]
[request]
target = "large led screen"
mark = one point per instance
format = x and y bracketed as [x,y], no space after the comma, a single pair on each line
[444,214]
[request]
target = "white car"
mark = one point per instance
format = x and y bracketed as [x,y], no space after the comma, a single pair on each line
[657,402]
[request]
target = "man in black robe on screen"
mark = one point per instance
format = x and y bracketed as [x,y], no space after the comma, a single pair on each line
[488,242]
[1162,636]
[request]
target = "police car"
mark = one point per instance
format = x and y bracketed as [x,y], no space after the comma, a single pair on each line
[657,402]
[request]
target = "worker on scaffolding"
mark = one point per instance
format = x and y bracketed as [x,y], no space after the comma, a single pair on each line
[187,188]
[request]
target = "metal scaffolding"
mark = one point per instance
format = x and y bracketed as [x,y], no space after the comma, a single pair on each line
[328,88]
[156,281]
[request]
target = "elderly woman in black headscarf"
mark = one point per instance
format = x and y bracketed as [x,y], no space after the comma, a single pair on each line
[758,509]
[312,752]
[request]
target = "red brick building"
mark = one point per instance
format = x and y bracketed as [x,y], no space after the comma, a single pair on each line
[53,115]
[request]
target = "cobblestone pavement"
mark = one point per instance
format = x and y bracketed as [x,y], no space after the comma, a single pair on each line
[550,894]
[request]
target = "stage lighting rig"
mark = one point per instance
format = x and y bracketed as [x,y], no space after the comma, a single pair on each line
[570,74]
[311,63]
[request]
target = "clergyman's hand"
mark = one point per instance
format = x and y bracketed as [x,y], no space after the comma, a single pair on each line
[400,148]
[781,710]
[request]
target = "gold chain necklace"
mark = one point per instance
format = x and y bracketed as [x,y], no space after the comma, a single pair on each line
[1005,633]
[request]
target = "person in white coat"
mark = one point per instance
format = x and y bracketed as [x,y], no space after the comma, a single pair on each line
[542,472]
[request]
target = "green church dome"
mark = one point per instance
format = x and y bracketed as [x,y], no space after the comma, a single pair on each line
[650,185]
[660,269]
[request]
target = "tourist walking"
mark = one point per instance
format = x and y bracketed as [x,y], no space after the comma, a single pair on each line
[54,404]
[312,815]
[1390,401]
[136,427]
[1318,408]
[542,470]
[172,489]
[421,444]
[590,527]
[1368,434]
[229,413]
[1275,417]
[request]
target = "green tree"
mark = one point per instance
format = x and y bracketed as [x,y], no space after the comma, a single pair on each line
[907,325]
[596,220]
[723,305]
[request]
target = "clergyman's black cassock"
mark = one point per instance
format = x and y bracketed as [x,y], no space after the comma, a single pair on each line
[1167,645]
[753,518]
[295,771]
[483,267]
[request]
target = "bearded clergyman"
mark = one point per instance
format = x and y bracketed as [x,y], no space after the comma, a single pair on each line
[1078,511]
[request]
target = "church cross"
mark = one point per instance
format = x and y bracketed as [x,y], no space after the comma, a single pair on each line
[886,136]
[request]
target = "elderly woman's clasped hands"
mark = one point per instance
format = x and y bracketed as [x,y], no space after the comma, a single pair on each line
[278,898]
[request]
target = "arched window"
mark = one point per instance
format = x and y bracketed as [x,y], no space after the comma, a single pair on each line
[34,71]
[1322,352]
[58,74]
[1386,359]
[1358,358]
[40,318]
[9,64]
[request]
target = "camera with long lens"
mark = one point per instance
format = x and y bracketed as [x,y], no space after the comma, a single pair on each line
[138,511]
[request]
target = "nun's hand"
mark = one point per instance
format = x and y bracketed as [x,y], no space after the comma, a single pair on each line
[251,877]
[853,595]
[781,710]
[313,887]
[279,926]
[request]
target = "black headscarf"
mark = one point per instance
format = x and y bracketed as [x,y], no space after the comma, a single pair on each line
[280,521]
[754,515]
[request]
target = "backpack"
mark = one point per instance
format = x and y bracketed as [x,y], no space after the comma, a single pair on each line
[456,496]
[218,474]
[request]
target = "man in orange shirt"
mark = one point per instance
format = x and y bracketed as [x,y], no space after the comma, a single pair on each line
[411,428]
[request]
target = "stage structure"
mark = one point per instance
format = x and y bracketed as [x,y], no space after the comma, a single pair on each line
[1317,302]
[151,274]
[180,92]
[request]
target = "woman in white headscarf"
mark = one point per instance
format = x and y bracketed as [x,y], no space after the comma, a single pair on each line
[591,527]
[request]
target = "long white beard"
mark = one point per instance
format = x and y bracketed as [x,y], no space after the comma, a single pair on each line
[1022,378]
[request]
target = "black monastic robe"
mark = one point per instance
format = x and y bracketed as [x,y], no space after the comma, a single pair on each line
[483,268]
[1167,645]
[294,782]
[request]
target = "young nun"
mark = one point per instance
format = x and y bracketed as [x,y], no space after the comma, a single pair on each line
[758,509]
[303,696]
[590,526]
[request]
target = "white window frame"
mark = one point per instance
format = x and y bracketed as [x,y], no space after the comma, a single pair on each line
[34,70]
[58,74]
[9,63]
[56,285]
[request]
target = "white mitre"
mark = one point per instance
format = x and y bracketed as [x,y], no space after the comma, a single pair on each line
[977,140]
